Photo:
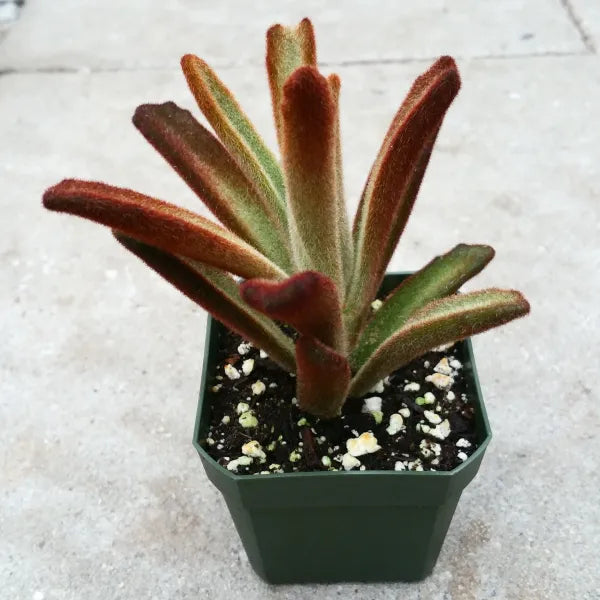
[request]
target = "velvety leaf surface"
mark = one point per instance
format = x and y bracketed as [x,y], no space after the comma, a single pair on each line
[394,181]
[209,170]
[218,293]
[309,159]
[236,132]
[397,226]
[166,226]
[307,301]
[444,275]
[287,49]
[440,322]
[345,237]
[322,378]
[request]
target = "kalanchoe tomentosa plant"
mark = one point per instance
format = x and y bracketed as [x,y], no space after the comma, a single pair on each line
[285,231]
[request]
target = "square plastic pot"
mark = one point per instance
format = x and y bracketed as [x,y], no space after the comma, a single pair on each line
[342,526]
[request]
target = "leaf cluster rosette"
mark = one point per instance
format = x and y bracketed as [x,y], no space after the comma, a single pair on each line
[284,251]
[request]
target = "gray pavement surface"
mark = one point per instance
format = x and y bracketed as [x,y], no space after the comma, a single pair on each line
[102,494]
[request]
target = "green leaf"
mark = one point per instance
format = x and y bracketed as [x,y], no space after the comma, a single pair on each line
[440,322]
[287,49]
[218,293]
[322,378]
[307,301]
[166,226]
[309,159]
[214,176]
[444,275]
[394,181]
[236,132]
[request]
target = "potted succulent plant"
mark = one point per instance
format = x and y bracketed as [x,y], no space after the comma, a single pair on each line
[338,415]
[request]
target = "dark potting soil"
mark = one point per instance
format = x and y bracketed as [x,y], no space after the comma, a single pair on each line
[293,440]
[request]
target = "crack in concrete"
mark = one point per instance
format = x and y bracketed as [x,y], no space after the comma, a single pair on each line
[586,38]
[428,59]
[53,70]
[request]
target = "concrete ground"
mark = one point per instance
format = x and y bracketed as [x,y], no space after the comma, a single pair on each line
[102,493]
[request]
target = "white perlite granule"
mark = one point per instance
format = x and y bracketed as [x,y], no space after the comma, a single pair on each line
[442,382]
[231,371]
[376,305]
[243,461]
[396,424]
[248,420]
[441,431]
[443,367]
[366,443]
[242,407]
[349,462]
[258,388]
[371,404]
[244,348]
[412,386]
[432,417]
[254,449]
[429,448]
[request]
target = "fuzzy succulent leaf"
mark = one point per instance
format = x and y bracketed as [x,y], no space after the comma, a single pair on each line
[440,322]
[236,132]
[345,237]
[288,48]
[166,226]
[205,165]
[309,159]
[307,301]
[394,181]
[218,293]
[322,378]
[444,275]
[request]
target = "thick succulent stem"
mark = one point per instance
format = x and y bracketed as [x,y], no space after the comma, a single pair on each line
[322,378]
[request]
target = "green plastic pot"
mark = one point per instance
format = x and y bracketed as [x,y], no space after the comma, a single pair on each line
[342,526]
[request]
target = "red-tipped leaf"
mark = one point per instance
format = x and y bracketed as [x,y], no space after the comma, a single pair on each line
[287,49]
[322,378]
[214,176]
[307,301]
[236,132]
[394,181]
[218,293]
[440,322]
[164,225]
[309,159]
